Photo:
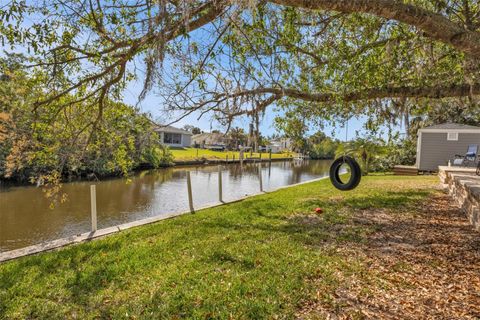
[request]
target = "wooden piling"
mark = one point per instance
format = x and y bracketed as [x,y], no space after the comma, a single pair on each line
[220,187]
[189,190]
[260,176]
[93,207]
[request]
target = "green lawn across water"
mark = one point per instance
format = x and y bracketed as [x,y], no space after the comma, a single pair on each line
[194,153]
[263,257]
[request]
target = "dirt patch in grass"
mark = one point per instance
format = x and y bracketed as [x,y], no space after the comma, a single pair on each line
[420,264]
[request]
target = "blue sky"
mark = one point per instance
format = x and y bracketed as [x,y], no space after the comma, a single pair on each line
[153,105]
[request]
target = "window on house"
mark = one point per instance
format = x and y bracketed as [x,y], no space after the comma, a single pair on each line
[172,138]
[452,136]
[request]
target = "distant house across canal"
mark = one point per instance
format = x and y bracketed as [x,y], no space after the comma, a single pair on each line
[211,140]
[280,145]
[174,137]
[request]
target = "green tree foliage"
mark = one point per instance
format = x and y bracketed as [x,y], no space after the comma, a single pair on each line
[397,152]
[365,149]
[321,60]
[324,149]
[236,137]
[294,127]
[43,143]
[320,146]
[192,129]
[339,57]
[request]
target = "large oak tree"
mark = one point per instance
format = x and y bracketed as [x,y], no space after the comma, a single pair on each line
[233,57]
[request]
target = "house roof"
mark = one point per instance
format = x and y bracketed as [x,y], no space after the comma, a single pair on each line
[171,129]
[450,126]
[210,138]
[280,139]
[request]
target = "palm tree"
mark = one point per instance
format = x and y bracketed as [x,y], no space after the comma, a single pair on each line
[237,137]
[364,149]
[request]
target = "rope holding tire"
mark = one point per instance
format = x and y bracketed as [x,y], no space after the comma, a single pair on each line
[355,173]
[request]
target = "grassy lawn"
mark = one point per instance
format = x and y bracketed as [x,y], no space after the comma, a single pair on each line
[194,153]
[265,257]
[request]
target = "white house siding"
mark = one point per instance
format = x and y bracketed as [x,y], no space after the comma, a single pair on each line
[186,140]
[435,150]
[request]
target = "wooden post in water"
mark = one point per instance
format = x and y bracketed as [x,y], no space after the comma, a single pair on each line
[260,176]
[270,155]
[220,187]
[93,207]
[189,190]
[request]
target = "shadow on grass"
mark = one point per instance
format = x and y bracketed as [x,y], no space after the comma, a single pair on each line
[220,257]
[309,228]
[89,268]
[384,199]
[420,255]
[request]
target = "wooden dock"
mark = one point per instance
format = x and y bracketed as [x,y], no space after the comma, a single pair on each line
[399,170]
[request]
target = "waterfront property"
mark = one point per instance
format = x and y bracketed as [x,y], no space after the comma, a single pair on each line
[439,144]
[212,141]
[174,137]
[383,251]
[154,193]
[186,154]
[280,145]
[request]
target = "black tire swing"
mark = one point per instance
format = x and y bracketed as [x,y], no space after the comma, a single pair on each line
[355,171]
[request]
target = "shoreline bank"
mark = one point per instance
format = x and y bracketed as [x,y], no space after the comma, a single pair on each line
[89,236]
[176,163]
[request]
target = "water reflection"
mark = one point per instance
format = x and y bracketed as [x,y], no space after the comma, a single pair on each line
[25,217]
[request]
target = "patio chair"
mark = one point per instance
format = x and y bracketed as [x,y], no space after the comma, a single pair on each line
[469,158]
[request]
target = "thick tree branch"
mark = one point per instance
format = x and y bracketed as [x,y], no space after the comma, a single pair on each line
[436,92]
[434,25]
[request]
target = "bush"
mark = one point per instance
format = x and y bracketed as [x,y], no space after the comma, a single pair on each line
[323,150]
[403,152]
[158,156]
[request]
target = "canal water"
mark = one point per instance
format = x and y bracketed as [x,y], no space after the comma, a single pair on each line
[26,217]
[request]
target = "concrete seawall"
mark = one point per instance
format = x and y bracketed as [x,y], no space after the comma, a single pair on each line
[88,236]
[225,161]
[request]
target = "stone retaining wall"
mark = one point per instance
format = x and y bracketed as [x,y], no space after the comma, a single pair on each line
[464,187]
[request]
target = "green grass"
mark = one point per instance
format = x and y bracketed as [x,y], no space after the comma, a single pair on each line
[194,153]
[252,259]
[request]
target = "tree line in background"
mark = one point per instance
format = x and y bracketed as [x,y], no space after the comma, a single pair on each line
[45,143]
[414,62]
